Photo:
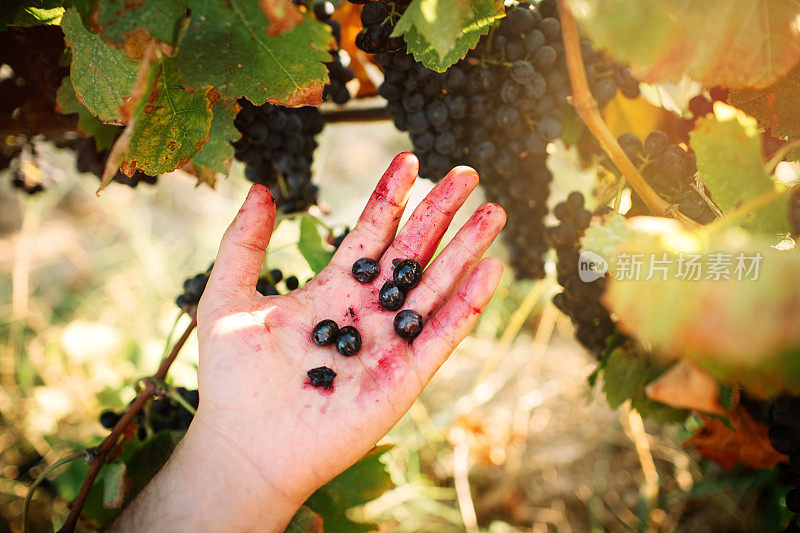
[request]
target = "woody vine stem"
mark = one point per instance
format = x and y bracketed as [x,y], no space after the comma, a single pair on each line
[586,107]
[100,454]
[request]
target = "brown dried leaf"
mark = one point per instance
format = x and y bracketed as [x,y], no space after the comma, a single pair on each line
[349,17]
[687,386]
[283,15]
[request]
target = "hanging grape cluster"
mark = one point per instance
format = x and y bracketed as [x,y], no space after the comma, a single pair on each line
[163,413]
[580,300]
[495,110]
[670,170]
[278,143]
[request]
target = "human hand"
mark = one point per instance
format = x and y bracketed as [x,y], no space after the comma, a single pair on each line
[279,437]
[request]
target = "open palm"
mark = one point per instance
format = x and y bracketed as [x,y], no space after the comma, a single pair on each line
[255,351]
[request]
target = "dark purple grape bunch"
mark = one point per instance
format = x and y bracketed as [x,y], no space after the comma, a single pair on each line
[267,285]
[165,413]
[784,436]
[336,239]
[93,161]
[339,72]
[580,300]
[193,288]
[277,146]
[670,170]
[378,18]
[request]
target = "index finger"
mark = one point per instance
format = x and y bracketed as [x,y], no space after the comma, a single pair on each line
[377,225]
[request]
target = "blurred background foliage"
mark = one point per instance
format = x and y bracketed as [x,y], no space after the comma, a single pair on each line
[508,436]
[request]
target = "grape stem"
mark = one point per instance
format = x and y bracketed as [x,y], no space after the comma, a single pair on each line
[26,504]
[100,454]
[586,107]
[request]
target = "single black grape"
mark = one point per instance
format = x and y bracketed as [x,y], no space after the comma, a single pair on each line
[408,324]
[407,274]
[655,143]
[292,283]
[391,296]
[348,341]
[325,332]
[366,269]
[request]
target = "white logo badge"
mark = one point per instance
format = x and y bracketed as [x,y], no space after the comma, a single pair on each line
[591,266]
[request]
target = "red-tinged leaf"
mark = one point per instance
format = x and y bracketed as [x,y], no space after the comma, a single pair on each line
[747,443]
[103,77]
[774,106]
[729,302]
[169,128]
[733,43]
[305,521]
[133,25]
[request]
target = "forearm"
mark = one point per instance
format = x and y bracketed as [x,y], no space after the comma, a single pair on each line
[206,487]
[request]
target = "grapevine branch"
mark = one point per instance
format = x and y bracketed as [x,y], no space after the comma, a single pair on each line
[586,107]
[100,454]
[363,114]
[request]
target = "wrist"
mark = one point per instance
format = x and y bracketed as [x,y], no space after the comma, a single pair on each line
[223,487]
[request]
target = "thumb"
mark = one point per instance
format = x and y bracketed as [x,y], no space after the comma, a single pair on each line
[244,244]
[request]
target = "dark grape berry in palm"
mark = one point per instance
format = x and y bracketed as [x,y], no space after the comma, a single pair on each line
[348,341]
[366,269]
[408,324]
[407,274]
[324,333]
[292,283]
[391,296]
[321,376]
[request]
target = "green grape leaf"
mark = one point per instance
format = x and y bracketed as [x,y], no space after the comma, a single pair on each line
[102,76]
[168,127]
[728,149]
[359,484]
[726,302]
[230,45]
[751,43]
[625,377]
[215,156]
[312,245]
[114,485]
[605,234]
[127,24]
[305,521]
[775,106]
[88,124]
[31,13]
[440,32]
